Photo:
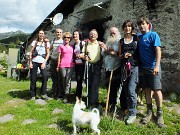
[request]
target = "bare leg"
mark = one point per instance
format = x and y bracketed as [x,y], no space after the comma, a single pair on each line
[158,98]
[148,96]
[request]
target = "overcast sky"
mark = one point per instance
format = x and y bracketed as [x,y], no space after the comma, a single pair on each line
[25,15]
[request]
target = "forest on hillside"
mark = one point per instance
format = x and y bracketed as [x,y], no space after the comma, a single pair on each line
[12,42]
[15,38]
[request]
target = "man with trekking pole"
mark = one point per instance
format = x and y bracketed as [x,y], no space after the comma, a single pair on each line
[91,52]
[112,67]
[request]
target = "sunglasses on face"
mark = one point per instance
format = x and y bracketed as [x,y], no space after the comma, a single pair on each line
[67,37]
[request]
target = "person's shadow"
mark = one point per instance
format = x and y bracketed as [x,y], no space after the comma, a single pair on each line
[22,94]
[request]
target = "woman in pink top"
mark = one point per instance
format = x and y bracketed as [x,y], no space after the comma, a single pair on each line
[65,63]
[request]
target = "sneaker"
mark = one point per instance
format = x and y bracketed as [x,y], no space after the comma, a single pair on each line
[33,98]
[45,97]
[147,118]
[125,117]
[130,120]
[160,121]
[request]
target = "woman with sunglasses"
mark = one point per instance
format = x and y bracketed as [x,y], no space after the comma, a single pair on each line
[65,63]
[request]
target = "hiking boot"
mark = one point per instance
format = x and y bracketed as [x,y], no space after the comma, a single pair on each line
[130,120]
[65,100]
[61,96]
[160,121]
[45,97]
[33,98]
[122,116]
[147,118]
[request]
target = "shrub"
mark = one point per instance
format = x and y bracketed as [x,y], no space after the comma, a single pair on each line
[4,63]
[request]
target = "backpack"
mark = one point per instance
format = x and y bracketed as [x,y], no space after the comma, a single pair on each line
[35,52]
[135,54]
[52,43]
[74,55]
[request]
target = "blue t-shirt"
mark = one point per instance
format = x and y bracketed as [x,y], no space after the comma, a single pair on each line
[147,43]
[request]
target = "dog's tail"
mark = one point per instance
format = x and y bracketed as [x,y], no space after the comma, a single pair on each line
[95,110]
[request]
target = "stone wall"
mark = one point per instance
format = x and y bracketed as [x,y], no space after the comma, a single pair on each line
[165,20]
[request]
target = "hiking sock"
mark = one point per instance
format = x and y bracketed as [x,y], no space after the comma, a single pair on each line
[159,108]
[159,111]
[149,107]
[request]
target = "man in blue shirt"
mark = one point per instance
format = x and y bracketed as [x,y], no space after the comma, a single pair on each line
[150,70]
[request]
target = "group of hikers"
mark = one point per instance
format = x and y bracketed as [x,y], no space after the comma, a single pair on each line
[138,55]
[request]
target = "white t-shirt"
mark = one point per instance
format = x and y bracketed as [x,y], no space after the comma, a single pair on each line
[110,59]
[41,49]
[77,50]
[55,44]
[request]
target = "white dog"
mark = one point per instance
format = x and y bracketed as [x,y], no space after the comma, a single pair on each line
[81,117]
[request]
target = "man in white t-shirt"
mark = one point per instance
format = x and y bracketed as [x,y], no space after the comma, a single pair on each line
[111,63]
[55,76]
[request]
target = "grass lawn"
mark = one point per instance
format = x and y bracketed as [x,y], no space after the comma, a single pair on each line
[14,99]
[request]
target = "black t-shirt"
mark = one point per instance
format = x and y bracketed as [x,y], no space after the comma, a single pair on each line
[130,48]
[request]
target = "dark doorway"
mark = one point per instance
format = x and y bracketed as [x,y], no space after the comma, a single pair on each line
[96,24]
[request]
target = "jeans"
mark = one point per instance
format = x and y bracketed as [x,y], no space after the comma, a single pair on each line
[130,88]
[33,79]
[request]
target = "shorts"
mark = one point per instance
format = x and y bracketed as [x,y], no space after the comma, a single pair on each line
[148,80]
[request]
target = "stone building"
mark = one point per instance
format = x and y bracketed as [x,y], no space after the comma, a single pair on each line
[102,14]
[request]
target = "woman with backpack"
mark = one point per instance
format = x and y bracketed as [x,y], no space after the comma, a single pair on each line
[128,48]
[39,55]
[79,63]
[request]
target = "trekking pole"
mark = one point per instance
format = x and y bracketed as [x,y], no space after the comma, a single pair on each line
[109,86]
[86,71]
[119,91]
[124,75]
[108,93]
[87,80]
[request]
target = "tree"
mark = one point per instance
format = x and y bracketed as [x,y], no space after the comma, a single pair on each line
[17,41]
[12,45]
[3,48]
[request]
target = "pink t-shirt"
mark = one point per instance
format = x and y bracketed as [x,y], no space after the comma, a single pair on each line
[66,55]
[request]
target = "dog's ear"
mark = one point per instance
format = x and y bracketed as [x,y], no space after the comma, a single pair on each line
[77,99]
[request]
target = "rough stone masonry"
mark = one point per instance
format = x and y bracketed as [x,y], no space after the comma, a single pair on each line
[164,15]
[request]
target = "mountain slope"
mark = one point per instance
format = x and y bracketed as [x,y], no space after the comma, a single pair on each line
[13,37]
[10,34]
